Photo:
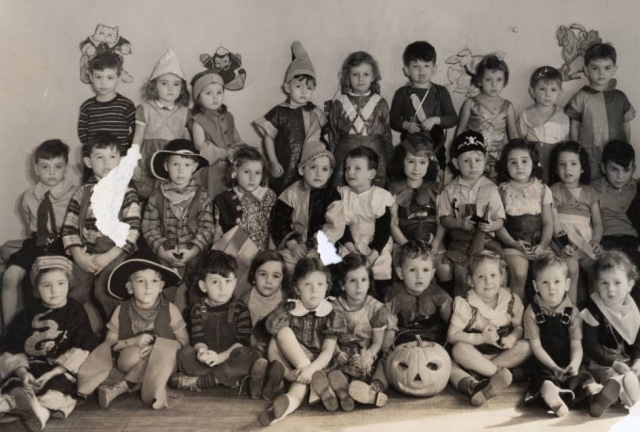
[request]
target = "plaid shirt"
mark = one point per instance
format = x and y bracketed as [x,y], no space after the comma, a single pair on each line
[71,231]
[176,231]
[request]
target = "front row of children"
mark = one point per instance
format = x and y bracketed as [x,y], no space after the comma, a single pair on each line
[335,346]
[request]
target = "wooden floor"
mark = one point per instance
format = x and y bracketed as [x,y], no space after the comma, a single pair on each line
[224,410]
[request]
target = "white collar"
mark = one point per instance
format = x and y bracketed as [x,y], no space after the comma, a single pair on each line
[324,308]
[163,106]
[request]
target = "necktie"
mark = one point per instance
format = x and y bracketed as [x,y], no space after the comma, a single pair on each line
[45,213]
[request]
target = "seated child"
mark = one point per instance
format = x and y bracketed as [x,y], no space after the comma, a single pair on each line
[220,352]
[611,321]
[144,336]
[304,334]
[95,255]
[44,207]
[486,324]
[470,197]
[178,219]
[307,206]
[359,347]
[367,212]
[553,327]
[416,304]
[617,191]
[544,122]
[421,106]
[44,363]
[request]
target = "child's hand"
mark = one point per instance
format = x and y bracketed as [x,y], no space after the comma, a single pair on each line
[143,340]
[523,246]
[429,123]
[635,368]
[597,247]
[466,224]
[208,357]
[86,263]
[276,170]
[45,377]
[568,251]
[169,257]
[570,371]
[507,342]
[490,336]
[411,127]
[298,251]
[620,367]
[187,256]
[559,373]
[303,376]
[342,358]
[537,250]
[486,226]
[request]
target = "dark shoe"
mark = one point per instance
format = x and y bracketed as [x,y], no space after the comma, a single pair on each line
[320,384]
[340,386]
[276,412]
[183,381]
[494,386]
[607,397]
[258,374]
[275,380]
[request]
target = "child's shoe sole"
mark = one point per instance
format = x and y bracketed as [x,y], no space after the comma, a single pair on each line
[258,374]
[365,394]
[276,412]
[322,387]
[273,383]
[340,386]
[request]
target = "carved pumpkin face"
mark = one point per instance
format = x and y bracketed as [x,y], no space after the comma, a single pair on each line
[418,368]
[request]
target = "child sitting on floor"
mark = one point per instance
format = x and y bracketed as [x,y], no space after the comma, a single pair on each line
[44,363]
[611,321]
[553,327]
[145,334]
[486,324]
[221,352]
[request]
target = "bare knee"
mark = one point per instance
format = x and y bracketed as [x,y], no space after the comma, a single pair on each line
[13,276]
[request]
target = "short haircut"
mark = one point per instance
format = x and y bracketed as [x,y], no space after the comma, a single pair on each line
[548,260]
[52,149]
[306,79]
[419,50]
[571,147]
[619,152]
[102,140]
[519,144]
[216,263]
[545,74]
[415,249]
[309,265]
[613,259]
[104,61]
[486,256]
[600,51]
[366,153]
[265,257]
[489,63]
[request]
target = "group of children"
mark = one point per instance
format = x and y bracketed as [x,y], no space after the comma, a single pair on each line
[225,285]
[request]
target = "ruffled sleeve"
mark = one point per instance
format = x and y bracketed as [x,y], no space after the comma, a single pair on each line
[279,319]
[461,314]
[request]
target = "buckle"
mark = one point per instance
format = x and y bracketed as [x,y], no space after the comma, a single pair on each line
[565,319]
[540,318]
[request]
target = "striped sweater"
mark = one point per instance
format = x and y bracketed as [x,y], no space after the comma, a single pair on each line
[117,116]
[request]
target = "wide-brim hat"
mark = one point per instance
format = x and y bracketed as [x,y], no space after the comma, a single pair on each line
[117,284]
[203,79]
[312,150]
[180,147]
[49,262]
[300,63]
[467,141]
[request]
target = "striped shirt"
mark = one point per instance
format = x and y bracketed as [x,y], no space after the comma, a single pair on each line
[206,319]
[176,231]
[117,116]
[85,237]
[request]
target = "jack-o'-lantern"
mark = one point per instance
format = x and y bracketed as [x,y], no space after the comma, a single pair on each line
[418,368]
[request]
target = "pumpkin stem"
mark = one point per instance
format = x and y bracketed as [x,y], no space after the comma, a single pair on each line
[419,341]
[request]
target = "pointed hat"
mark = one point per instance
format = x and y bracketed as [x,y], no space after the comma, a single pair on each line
[168,63]
[300,64]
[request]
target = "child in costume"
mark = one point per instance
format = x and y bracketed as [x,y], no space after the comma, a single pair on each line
[544,122]
[421,106]
[359,115]
[553,327]
[214,131]
[576,211]
[288,126]
[108,111]
[143,338]
[161,117]
[486,325]
[470,202]
[94,254]
[44,207]
[304,334]
[243,212]
[599,112]
[617,191]
[307,206]
[178,220]
[611,321]
[367,212]
[488,113]
[220,352]
[527,201]
[358,348]
[48,342]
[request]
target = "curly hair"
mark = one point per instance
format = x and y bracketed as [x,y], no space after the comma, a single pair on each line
[616,259]
[354,60]
[415,249]
[269,256]
[569,147]
[351,262]
[149,92]
[489,63]
[519,144]
[216,263]
[396,166]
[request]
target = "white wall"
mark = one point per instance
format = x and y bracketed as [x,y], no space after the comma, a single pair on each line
[40,91]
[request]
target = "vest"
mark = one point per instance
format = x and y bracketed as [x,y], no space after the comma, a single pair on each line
[161,325]
[194,209]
